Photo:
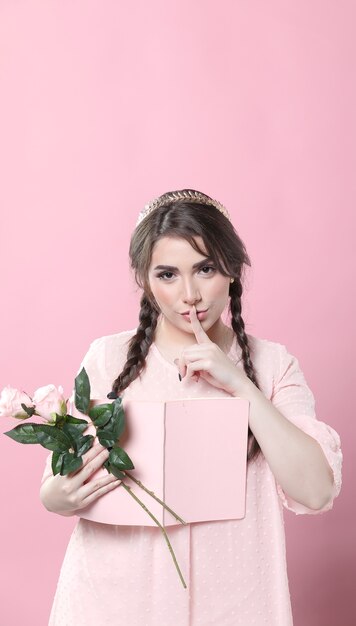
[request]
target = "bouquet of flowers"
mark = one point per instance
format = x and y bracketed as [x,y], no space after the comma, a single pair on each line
[63,434]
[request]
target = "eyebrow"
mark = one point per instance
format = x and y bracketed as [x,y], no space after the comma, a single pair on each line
[172,268]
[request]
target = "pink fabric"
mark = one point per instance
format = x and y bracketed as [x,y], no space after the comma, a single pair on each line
[235,570]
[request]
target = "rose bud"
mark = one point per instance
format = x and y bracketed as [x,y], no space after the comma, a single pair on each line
[10,403]
[48,401]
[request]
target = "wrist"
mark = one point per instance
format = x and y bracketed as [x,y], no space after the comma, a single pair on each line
[244,389]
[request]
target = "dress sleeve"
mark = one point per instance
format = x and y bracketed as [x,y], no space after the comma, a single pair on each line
[293,398]
[89,362]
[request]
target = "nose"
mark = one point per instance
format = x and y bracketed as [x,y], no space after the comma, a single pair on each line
[191,293]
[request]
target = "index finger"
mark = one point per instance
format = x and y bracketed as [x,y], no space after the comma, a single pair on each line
[199,331]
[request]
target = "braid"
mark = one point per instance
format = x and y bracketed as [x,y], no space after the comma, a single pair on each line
[137,348]
[238,327]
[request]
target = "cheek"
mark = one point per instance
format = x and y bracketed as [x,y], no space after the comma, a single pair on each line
[162,295]
[219,289]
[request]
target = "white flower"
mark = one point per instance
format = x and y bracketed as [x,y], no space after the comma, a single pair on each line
[10,403]
[48,401]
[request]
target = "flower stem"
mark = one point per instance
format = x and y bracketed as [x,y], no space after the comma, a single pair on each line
[161,527]
[138,482]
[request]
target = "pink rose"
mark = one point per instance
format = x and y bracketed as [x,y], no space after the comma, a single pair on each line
[49,400]
[10,403]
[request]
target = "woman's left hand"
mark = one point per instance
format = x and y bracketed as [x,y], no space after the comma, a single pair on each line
[207,360]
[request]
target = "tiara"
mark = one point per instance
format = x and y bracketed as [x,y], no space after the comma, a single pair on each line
[185,194]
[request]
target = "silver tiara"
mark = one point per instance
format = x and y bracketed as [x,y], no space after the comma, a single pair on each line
[185,194]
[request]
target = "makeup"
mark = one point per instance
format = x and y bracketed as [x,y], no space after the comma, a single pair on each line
[200,316]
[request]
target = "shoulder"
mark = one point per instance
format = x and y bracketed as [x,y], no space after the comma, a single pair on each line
[266,348]
[105,358]
[274,365]
[113,341]
[268,355]
[107,348]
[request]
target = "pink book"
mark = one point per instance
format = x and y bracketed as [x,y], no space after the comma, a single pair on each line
[191,453]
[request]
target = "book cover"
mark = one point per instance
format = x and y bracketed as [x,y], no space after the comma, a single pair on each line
[192,453]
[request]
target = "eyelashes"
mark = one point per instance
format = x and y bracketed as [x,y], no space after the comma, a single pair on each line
[162,274]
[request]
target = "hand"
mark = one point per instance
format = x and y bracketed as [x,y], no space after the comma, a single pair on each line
[67,494]
[207,360]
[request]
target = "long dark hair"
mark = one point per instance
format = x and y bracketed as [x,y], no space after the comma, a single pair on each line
[185,219]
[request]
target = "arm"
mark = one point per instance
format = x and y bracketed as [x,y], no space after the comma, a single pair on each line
[305,458]
[303,453]
[295,458]
[65,495]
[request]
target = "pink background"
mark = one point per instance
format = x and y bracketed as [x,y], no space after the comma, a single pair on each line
[105,105]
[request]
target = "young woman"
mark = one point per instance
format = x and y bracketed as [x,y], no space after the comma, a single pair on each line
[189,261]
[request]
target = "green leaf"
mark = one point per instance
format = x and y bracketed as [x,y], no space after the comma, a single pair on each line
[118,418]
[71,462]
[82,391]
[116,472]
[23,433]
[57,462]
[73,432]
[101,414]
[120,459]
[28,409]
[107,438]
[84,444]
[81,423]
[109,435]
[114,427]
[63,410]
[113,470]
[59,420]
[48,436]
[52,438]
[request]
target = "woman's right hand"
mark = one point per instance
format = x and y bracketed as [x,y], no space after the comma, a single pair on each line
[67,494]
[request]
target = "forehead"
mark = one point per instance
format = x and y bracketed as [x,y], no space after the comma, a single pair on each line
[169,249]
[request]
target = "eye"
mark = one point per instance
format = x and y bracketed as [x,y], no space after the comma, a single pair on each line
[163,274]
[210,267]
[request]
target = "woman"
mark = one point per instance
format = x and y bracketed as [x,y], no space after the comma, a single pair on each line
[189,260]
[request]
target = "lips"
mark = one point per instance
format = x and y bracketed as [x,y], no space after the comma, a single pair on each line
[201,311]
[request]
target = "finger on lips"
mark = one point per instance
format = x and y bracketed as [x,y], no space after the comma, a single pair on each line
[199,331]
[200,336]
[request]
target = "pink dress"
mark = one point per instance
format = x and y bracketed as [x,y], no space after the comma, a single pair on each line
[235,570]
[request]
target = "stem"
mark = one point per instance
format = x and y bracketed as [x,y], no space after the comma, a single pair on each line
[138,482]
[161,527]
